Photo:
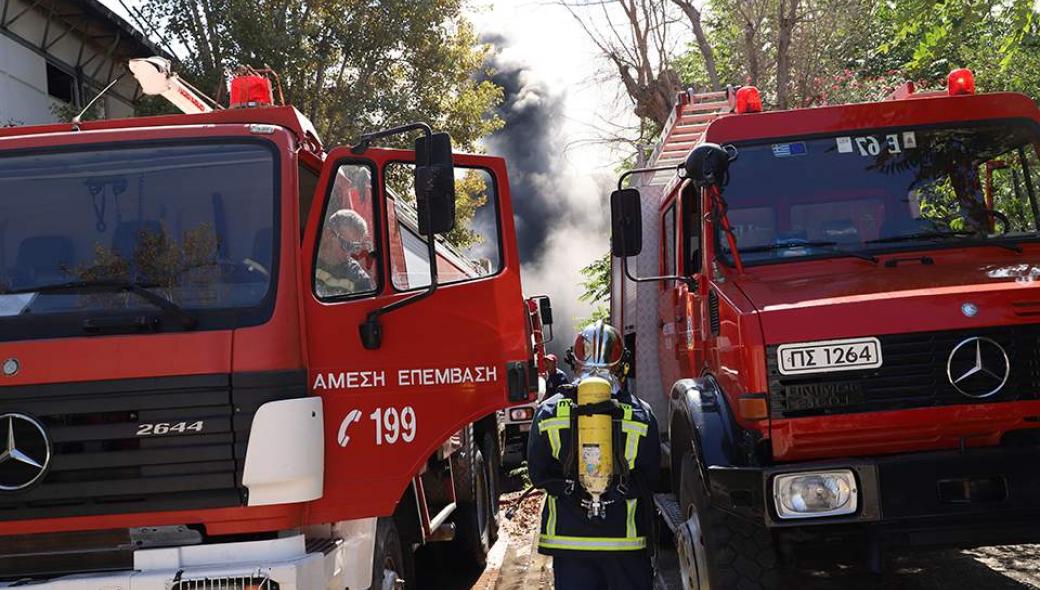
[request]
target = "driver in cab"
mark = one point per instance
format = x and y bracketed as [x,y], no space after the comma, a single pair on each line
[344,241]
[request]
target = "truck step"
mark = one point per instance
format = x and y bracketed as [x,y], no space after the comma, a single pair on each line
[669,509]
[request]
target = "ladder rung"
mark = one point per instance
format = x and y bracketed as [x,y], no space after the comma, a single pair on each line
[688,118]
[707,106]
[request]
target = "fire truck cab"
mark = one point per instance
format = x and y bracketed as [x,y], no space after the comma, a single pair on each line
[234,359]
[835,320]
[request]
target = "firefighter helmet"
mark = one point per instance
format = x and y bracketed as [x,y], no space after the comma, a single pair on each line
[708,164]
[599,347]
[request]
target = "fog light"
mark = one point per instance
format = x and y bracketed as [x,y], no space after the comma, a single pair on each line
[520,414]
[812,495]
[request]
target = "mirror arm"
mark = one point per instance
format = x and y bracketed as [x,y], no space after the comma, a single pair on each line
[688,281]
[627,173]
[366,140]
[372,329]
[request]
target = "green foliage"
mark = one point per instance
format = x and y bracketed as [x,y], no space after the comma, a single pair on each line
[852,50]
[596,289]
[597,280]
[350,65]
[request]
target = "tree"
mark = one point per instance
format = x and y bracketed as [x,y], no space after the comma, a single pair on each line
[634,36]
[350,65]
[707,52]
[596,289]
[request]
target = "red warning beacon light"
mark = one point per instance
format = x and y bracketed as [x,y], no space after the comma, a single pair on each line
[749,100]
[961,82]
[251,91]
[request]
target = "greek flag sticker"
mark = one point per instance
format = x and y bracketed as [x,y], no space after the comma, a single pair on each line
[786,150]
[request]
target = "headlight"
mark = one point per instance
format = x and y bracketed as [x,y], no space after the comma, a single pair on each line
[520,414]
[815,494]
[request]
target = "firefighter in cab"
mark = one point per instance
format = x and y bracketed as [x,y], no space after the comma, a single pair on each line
[594,449]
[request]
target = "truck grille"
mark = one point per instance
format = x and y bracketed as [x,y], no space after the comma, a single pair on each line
[914,375]
[169,443]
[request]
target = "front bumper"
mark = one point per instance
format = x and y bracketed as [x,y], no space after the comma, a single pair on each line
[284,564]
[963,498]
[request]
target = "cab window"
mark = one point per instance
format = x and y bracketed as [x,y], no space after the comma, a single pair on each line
[669,241]
[691,230]
[347,260]
[470,251]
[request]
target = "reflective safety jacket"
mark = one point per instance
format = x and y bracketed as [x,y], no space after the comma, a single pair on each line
[566,527]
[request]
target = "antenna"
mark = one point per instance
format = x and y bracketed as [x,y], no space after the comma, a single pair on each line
[78,118]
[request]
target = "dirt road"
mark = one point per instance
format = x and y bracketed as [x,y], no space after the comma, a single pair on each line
[515,564]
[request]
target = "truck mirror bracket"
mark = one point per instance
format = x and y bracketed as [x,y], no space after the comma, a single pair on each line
[371,330]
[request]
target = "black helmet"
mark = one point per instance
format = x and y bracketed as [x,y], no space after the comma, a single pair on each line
[708,164]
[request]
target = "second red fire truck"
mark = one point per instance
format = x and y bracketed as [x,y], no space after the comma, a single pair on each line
[841,334]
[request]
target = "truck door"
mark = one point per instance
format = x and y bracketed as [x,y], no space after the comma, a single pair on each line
[445,360]
[692,309]
[670,291]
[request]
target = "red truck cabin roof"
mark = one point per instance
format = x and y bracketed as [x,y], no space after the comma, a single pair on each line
[919,111]
[283,116]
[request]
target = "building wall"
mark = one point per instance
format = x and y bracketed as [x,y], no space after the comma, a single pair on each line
[24,56]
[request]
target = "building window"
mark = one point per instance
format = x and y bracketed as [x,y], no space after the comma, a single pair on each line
[61,84]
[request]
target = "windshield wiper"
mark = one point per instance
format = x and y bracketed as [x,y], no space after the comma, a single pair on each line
[819,244]
[942,235]
[187,320]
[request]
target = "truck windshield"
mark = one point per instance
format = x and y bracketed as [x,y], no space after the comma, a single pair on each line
[865,192]
[190,222]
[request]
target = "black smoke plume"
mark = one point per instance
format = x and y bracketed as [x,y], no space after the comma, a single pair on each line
[560,220]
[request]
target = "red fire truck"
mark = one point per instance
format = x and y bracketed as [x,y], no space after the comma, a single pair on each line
[233,359]
[515,421]
[836,319]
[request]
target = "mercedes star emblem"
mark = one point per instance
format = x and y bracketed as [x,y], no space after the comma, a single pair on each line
[26,451]
[11,367]
[978,367]
[969,310]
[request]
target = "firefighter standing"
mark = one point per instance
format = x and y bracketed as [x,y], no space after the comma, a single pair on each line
[598,463]
[555,376]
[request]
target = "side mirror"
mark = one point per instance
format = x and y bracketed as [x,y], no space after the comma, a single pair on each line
[545,310]
[626,223]
[435,183]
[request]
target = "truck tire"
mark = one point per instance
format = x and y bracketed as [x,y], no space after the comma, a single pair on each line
[392,566]
[493,459]
[739,554]
[473,515]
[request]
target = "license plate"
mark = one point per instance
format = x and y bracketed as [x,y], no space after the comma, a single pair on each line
[828,356]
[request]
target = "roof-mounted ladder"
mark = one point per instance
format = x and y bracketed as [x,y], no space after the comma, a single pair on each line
[690,117]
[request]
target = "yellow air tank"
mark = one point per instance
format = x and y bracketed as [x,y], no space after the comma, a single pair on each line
[595,439]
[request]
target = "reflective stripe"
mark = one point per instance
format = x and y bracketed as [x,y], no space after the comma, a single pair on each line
[548,423]
[635,427]
[554,442]
[591,543]
[633,431]
[554,425]
[563,408]
[630,521]
[550,523]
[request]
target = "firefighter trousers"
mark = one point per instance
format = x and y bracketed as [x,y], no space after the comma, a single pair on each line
[611,571]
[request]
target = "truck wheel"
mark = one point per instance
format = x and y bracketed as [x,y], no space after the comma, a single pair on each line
[473,516]
[493,461]
[738,553]
[392,567]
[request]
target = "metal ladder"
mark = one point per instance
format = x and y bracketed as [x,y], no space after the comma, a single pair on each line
[692,114]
